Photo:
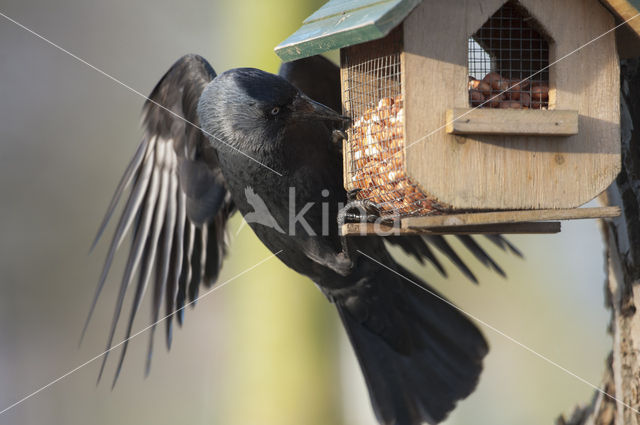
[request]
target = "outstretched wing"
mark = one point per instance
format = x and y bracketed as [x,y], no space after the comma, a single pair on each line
[319,78]
[176,208]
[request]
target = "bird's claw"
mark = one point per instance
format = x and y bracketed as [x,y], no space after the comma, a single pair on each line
[358,210]
[352,195]
[337,136]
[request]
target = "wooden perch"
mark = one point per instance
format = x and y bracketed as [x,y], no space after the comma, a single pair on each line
[500,217]
[504,222]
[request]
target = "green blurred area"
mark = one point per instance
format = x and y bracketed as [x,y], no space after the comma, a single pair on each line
[284,340]
[266,348]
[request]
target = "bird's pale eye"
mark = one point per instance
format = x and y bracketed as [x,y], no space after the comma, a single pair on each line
[275,110]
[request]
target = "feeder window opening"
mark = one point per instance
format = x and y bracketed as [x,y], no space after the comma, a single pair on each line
[509,52]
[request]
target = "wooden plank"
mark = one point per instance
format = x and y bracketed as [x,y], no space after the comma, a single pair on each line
[524,122]
[498,217]
[346,165]
[346,102]
[363,229]
[344,24]
[500,172]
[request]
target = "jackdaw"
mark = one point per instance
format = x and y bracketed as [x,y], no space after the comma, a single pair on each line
[214,145]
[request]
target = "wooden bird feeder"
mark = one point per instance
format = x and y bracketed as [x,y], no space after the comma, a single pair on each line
[477,117]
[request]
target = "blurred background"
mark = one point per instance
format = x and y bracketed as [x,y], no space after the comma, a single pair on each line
[267,348]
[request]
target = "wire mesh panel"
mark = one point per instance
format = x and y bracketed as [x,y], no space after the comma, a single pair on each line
[508,60]
[372,84]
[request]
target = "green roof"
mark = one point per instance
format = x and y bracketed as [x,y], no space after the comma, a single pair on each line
[342,23]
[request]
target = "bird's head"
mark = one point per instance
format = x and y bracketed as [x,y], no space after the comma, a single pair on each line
[251,110]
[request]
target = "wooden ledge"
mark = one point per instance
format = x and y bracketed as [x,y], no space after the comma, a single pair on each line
[499,217]
[503,222]
[515,122]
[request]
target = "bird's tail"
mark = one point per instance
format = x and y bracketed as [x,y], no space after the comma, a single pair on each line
[419,355]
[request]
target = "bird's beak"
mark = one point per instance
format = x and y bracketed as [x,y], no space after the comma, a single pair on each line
[306,108]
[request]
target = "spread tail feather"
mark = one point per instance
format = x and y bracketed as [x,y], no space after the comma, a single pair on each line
[418,354]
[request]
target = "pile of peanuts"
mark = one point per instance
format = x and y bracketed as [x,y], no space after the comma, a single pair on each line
[519,94]
[376,141]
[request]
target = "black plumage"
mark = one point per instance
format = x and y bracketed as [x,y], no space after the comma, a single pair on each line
[317,77]
[419,354]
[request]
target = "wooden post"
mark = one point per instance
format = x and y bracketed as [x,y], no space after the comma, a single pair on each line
[622,238]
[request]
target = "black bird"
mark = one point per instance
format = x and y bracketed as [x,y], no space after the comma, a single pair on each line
[216,144]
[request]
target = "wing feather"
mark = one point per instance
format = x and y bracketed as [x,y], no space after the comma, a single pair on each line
[157,207]
[122,185]
[185,276]
[177,201]
[135,254]
[163,265]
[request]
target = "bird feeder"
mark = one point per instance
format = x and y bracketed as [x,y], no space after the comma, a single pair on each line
[479,116]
